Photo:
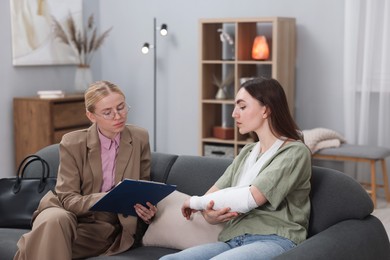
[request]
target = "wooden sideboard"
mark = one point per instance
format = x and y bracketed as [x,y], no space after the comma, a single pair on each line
[40,122]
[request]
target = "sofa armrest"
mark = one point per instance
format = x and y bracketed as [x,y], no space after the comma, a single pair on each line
[350,239]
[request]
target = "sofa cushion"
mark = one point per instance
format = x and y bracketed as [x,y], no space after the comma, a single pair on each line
[161,165]
[51,155]
[194,175]
[139,253]
[170,229]
[8,240]
[335,197]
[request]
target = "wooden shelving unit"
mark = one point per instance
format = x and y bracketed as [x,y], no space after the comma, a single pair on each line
[218,60]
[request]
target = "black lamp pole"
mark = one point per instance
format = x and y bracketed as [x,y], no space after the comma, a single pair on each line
[155,86]
[145,49]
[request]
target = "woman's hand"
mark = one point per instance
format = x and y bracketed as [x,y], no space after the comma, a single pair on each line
[217,216]
[210,215]
[146,213]
[186,210]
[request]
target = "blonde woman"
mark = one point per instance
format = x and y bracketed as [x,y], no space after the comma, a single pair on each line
[92,161]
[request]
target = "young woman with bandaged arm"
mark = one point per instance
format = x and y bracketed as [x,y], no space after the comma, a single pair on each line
[263,196]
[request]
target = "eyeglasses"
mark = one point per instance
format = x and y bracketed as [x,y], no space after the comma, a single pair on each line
[110,114]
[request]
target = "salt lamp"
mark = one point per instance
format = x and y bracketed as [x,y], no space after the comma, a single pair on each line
[260,49]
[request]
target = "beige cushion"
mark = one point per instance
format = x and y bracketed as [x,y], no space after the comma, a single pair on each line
[170,229]
[318,138]
[331,143]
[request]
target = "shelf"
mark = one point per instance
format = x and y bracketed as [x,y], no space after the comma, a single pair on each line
[232,64]
[218,61]
[217,101]
[217,140]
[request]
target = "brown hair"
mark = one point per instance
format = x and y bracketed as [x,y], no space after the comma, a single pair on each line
[270,93]
[97,91]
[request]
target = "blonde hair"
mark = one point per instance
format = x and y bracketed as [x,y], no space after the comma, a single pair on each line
[97,91]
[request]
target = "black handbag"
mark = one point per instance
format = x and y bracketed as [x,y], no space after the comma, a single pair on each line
[20,196]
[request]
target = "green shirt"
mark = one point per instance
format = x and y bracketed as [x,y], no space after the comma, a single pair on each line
[285,181]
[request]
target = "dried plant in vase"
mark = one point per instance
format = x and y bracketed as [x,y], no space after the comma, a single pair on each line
[83,41]
[222,85]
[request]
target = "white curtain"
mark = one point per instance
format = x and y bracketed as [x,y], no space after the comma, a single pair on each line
[367,78]
[367,72]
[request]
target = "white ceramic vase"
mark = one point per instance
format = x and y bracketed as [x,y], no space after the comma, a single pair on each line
[221,94]
[83,78]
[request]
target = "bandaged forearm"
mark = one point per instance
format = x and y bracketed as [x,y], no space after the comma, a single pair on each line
[238,199]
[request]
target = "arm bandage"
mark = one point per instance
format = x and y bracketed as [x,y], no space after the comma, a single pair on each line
[238,199]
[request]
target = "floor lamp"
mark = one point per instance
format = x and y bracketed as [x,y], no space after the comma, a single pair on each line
[163,30]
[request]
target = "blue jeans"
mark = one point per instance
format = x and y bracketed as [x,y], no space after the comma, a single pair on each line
[242,247]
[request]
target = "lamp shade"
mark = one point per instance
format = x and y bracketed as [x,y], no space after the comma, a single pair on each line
[260,49]
[164,29]
[145,48]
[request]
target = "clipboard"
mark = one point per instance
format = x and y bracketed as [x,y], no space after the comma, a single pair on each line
[122,198]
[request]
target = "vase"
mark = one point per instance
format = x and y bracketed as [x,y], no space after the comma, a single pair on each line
[83,78]
[221,94]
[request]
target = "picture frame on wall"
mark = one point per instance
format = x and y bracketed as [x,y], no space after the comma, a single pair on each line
[33,40]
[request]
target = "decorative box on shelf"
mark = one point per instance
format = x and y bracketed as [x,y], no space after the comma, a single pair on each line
[219,150]
[223,132]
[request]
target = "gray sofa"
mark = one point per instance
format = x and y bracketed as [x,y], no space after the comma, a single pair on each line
[341,224]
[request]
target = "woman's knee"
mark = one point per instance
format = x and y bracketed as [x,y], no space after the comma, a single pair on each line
[55,216]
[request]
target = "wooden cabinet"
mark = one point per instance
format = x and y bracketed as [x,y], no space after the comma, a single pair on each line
[40,122]
[227,64]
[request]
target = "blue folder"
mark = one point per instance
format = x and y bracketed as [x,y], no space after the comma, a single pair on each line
[122,198]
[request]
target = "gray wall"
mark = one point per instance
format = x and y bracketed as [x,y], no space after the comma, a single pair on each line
[318,68]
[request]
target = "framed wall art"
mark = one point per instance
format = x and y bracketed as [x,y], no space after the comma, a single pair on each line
[33,40]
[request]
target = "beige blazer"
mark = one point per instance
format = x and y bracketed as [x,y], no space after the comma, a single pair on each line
[80,176]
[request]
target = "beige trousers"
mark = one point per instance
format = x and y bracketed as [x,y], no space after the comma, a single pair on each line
[57,234]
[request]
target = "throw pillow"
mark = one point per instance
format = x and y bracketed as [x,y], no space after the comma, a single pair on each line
[314,136]
[171,230]
[331,143]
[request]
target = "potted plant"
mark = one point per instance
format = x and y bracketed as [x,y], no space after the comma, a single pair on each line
[84,42]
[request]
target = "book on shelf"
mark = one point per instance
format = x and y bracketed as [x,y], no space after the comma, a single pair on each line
[51,93]
[127,193]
